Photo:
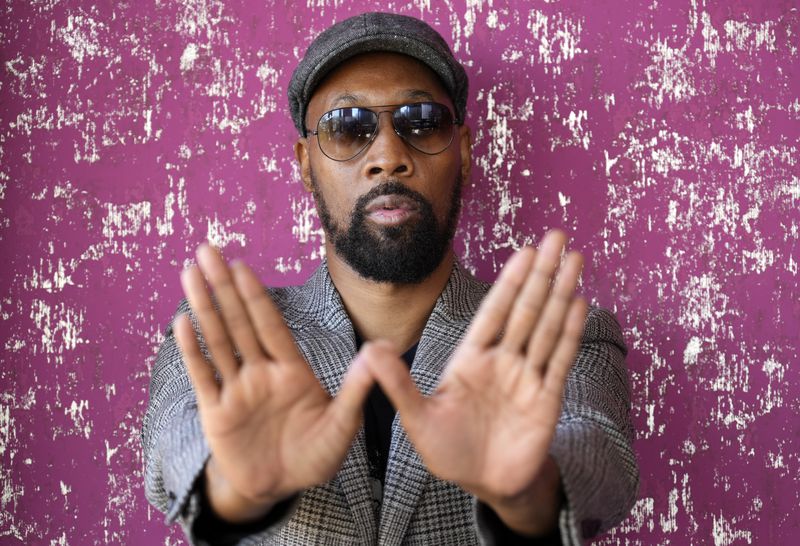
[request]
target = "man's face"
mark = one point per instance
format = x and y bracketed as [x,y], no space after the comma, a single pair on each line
[390,212]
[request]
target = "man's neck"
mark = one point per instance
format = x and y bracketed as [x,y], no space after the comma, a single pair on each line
[397,312]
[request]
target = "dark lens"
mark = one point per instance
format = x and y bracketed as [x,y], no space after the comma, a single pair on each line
[427,126]
[344,132]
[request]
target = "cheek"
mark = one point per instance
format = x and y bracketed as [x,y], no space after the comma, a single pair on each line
[444,181]
[335,188]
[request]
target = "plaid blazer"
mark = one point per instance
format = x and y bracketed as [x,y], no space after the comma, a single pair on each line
[592,444]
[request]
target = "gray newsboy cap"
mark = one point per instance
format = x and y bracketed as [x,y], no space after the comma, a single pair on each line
[375,32]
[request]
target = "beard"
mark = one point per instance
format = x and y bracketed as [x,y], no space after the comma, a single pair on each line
[403,254]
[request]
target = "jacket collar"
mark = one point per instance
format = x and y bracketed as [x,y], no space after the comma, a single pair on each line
[319,301]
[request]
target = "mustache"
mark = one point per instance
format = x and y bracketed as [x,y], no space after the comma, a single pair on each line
[390,187]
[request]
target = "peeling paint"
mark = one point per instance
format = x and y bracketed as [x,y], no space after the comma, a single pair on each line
[662,136]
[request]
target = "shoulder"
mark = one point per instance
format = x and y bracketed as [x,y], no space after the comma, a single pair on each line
[297,303]
[315,302]
[602,326]
[463,294]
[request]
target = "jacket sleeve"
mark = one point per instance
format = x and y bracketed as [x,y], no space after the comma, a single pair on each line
[592,444]
[175,450]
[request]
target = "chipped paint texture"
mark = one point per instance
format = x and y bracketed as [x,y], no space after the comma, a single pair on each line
[662,135]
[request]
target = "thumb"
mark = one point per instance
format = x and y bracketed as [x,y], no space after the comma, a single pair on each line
[392,374]
[347,404]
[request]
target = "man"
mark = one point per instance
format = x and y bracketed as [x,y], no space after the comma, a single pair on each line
[253,434]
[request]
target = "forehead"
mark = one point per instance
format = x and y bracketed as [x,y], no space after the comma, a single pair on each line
[377,79]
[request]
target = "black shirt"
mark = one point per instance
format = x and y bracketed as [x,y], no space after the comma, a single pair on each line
[378,417]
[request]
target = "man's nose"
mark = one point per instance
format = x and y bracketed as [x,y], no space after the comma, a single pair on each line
[388,154]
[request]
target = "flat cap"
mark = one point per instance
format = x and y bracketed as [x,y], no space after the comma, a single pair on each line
[370,32]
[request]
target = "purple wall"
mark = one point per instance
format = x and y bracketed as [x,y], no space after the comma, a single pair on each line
[662,135]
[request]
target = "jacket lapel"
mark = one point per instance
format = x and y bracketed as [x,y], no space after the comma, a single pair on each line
[328,343]
[406,475]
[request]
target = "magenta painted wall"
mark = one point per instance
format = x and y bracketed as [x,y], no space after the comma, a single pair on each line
[662,134]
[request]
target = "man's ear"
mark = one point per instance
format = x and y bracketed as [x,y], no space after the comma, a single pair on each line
[465,141]
[304,162]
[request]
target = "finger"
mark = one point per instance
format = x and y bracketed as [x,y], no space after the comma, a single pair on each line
[493,312]
[550,327]
[528,306]
[270,327]
[564,353]
[211,326]
[201,373]
[393,376]
[237,322]
[347,406]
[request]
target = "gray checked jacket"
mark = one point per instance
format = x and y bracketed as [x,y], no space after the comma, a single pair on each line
[592,444]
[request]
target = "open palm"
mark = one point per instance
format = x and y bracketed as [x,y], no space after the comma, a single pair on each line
[489,424]
[271,428]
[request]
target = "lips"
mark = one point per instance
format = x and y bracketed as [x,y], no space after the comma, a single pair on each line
[391,202]
[391,209]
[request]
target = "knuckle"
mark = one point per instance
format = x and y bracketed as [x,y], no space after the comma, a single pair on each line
[549,330]
[203,308]
[542,272]
[561,295]
[529,306]
[222,284]
[494,309]
[236,320]
[216,339]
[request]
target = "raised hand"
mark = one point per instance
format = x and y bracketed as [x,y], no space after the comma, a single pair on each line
[271,428]
[489,424]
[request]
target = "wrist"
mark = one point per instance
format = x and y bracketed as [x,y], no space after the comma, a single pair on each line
[535,511]
[227,503]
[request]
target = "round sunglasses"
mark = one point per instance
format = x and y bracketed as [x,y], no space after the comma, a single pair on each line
[343,133]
